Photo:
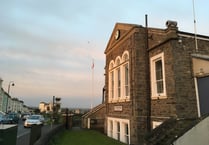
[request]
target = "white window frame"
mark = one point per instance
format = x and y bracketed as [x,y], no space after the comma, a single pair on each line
[123,136]
[111,81]
[126,133]
[154,93]
[125,87]
[118,70]
[118,130]
[126,84]
[117,78]
[110,128]
[117,84]
[112,86]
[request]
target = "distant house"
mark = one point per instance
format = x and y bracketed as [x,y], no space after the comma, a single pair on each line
[153,75]
[48,107]
[45,107]
[9,104]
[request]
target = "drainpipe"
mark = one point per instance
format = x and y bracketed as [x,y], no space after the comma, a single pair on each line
[103,95]
[148,72]
[197,97]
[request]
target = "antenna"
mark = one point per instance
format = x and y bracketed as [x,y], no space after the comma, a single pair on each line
[195,29]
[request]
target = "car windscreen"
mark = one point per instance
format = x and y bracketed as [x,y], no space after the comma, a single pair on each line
[34,117]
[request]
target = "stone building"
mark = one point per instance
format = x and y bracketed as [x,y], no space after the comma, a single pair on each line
[152,75]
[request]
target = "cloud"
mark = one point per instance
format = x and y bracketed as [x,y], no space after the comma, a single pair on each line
[47,47]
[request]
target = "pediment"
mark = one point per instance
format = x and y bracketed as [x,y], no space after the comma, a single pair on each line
[119,32]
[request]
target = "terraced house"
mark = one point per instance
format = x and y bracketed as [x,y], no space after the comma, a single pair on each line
[152,75]
[9,104]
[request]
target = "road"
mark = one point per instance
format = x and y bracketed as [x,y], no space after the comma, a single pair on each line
[23,134]
[21,130]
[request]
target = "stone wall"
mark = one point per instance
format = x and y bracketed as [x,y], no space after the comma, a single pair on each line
[97,118]
[180,88]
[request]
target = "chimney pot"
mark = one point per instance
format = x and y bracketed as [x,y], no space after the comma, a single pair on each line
[170,23]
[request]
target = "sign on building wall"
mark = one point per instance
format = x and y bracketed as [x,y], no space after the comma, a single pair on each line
[118,108]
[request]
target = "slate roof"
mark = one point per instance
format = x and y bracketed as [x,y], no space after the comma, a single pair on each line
[170,130]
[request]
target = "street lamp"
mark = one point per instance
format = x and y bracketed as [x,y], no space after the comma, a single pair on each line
[11,83]
[55,105]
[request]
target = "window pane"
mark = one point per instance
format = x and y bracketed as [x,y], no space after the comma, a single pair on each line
[126,129]
[125,57]
[160,86]
[119,82]
[158,65]
[112,84]
[159,76]
[126,134]
[126,74]
[118,62]
[118,126]
[126,80]
[118,130]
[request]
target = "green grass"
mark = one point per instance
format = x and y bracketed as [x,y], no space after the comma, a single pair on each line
[82,137]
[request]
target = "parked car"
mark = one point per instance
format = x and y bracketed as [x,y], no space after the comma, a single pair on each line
[34,120]
[25,116]
[13,117]
[6,120]
[2,113]
[1,118]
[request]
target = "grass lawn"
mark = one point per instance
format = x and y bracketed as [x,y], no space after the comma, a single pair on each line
[82,137]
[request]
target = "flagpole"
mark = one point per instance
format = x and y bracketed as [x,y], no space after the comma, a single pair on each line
[92,95]
[195,29]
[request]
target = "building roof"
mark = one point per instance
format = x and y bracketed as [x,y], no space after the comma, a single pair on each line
[170,32]
[123,30]
[171,130]
[200,56]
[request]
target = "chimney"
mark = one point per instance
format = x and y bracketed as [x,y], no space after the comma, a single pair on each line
[171,29]
[170,24]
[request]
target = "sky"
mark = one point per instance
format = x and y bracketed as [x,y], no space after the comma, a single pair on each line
[47,47]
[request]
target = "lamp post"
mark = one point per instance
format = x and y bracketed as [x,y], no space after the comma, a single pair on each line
[55,101]
[11,83]
[55,106]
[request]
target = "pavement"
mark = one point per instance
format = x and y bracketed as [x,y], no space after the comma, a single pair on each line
[25,138]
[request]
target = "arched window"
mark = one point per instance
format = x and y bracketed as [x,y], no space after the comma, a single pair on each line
[118,77]
[126,78]
[118,61]
[125,56]
[111,80]
[119,83]
[111,65]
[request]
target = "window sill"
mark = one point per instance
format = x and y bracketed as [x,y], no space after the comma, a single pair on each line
[127,99]
[158,97]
